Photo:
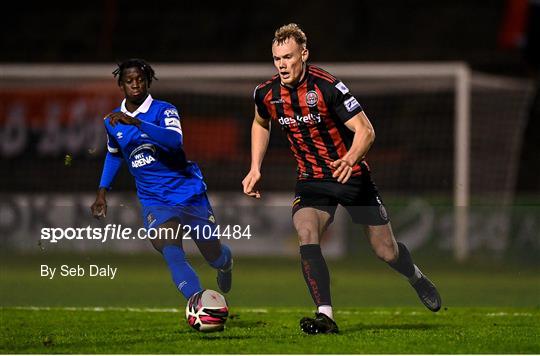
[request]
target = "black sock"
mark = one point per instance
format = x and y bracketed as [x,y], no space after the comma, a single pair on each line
[316,274]
[404,263]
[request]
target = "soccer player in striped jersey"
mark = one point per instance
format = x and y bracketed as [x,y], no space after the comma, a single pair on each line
[329,135]
[147,135]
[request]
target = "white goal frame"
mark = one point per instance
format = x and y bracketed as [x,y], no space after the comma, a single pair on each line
[458,71]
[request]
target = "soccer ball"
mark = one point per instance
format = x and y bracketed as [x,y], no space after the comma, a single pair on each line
[207,311]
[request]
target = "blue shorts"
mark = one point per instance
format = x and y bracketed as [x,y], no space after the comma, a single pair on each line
[195,215]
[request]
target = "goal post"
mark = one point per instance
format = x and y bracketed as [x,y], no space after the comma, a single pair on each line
[460,73]
[461,160]
[207,78]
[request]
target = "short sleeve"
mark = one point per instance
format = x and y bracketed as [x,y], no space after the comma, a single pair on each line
[342,102]
[262,110]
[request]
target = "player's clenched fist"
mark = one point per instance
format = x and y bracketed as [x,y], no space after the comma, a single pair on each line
[249,184]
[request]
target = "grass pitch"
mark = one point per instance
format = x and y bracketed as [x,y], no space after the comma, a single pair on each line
[272,330]
[487,309]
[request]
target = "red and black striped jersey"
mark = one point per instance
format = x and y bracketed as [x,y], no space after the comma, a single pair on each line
[313,116]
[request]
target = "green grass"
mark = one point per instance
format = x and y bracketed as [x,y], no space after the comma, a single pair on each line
[489,308]
[274,330]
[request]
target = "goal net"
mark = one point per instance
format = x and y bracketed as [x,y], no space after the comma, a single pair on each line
[444,135]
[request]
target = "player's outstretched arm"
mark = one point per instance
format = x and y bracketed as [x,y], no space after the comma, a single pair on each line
[260,136]
[364,135]
[111,167]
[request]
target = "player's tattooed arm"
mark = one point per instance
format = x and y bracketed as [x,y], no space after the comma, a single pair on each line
[99,208]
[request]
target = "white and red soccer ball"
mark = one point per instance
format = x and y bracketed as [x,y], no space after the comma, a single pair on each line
[207,311]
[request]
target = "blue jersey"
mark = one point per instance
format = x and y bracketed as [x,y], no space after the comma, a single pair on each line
[162,174]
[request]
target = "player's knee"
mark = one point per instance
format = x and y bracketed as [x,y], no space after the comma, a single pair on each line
[388,253]
[307,234]
[159,244]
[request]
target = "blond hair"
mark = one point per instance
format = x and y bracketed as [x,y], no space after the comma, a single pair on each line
[291,30]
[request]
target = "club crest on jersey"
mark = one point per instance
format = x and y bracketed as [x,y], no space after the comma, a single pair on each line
[142,155]
[312,98]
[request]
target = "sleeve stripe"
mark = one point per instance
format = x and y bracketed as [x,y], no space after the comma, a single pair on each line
[321,76]
[111,149]
[175,129]
[322,72]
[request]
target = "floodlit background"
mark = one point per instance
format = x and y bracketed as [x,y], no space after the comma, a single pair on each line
[418,68]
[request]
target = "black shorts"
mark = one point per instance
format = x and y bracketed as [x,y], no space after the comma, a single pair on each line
[359,196]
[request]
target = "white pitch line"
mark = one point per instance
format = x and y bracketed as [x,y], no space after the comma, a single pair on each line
[245,310]
[260,310]
[121,309]
[100,309]
[509,314]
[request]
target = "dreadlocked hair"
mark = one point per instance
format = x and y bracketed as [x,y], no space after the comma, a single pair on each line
[146,68]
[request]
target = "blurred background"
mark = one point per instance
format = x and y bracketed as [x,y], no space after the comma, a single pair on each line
[56,86]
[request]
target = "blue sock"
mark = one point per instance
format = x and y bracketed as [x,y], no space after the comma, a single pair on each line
[183,276]
[224,260]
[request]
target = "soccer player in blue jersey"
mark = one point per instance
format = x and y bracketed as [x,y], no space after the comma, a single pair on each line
[147,135]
